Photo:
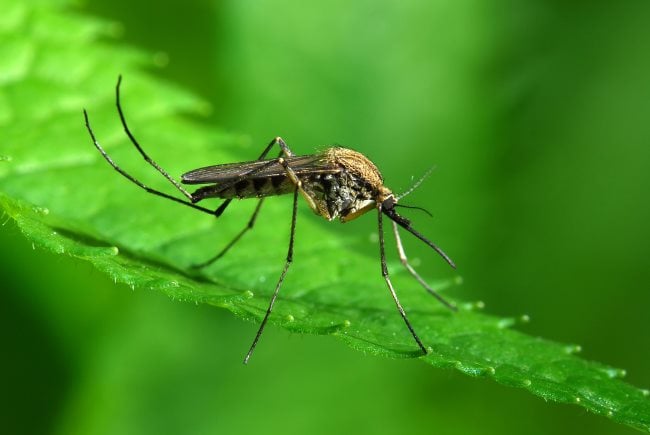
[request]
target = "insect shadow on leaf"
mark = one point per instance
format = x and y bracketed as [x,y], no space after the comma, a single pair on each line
[338,183]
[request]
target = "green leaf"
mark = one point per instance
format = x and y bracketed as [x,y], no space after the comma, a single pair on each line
[66,199]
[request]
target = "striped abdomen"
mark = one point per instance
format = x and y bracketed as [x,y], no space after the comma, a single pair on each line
[247,188]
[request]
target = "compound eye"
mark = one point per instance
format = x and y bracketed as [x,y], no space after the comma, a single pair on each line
[389,203]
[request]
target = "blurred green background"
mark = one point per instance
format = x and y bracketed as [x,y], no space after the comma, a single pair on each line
[535,114]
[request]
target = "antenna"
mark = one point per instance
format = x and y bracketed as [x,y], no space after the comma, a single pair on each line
[417,183]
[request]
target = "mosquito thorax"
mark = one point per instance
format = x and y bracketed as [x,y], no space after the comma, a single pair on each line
[348,193]
[355,163]
[361,166]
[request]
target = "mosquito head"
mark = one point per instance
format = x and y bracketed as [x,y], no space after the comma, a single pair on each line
[388,207]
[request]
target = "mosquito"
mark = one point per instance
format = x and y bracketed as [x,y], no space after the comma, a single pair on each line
[338,183]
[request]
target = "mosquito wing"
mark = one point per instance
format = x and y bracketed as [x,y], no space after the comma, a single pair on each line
[256,169]
[258,178]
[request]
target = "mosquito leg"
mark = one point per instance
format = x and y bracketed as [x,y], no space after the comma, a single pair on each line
[134,141]
[248,227]
[287,263]
[384,272]
[405,262]
[277,140]
[283,146]
[292,175]
[134,180]
[284,150]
